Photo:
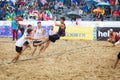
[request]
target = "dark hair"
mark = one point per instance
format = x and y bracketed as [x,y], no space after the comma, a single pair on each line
[63,18]
[29,25]
[29,31]
[38,22]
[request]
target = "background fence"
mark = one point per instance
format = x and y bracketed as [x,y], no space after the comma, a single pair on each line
[83,30]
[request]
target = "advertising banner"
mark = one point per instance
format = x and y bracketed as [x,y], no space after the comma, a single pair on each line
[78,33]
[72,33]
[5,31]
[103,32]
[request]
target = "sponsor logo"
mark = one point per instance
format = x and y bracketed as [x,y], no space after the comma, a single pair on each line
[103,32]
[106,34]
[76,35]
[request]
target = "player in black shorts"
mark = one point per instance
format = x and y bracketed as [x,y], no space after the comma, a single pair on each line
[20,42]
[27,43]
[61,30]
[118,58]
[60,33]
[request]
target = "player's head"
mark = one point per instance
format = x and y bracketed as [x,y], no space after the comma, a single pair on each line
[111,30]
[39,24]
[62,19]
[29,31]
[29,26]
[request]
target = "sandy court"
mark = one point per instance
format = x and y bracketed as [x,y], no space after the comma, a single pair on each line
[92,61]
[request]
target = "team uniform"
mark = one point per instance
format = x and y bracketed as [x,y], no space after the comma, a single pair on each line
[19,44]
[26,42]
[38,34]
[116,37]
[61,32]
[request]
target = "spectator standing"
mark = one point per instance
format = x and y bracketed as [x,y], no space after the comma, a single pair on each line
[14,25]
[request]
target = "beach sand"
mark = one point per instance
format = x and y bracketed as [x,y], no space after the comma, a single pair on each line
[63,60]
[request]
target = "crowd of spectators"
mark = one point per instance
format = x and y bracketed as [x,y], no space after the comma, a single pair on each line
[44,10]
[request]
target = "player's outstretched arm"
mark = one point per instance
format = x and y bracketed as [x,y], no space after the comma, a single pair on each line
[59,25]
[31,38]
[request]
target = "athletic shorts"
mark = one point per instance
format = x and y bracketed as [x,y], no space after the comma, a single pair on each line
[26,43]
[18,49]
[118,56]
[53,38]
[35,42]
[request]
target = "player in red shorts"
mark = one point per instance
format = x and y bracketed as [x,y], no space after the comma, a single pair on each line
[113,37]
